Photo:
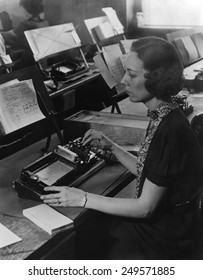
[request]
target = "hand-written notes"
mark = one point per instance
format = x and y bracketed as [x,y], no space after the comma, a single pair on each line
[18,105]
[111,66]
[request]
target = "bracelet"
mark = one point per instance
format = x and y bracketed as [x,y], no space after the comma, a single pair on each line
[84,201]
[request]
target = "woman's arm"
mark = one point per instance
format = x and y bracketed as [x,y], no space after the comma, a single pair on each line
[142,207]
[98,139]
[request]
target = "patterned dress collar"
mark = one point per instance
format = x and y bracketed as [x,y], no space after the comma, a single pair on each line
[155,118]
[161,110]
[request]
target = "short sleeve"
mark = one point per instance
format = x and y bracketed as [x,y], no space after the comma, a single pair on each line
[166,158]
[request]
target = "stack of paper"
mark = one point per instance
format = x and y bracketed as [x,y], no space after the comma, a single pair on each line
[47,218]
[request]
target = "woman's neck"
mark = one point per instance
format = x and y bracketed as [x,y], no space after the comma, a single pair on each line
[153,103]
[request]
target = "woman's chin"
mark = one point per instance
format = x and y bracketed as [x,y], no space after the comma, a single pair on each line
[133,99]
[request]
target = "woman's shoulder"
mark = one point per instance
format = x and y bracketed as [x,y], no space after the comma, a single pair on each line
[174,128]
[29,25]
[175,120]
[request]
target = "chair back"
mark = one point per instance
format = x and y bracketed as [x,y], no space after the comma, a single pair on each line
[6,21]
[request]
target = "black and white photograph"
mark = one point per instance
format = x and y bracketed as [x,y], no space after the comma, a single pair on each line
[101,139]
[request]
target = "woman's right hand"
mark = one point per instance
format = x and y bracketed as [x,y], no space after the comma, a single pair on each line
[97,139]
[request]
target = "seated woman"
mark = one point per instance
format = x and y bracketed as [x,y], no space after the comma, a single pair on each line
[156,223]
[15,39]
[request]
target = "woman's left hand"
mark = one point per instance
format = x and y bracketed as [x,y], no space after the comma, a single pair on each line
[63,196]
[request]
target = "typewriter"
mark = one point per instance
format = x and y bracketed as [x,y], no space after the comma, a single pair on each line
[67,165]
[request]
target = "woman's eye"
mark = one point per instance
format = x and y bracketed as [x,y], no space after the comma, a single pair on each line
[132,75]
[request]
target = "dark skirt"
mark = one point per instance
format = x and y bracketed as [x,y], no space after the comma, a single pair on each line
[163,237]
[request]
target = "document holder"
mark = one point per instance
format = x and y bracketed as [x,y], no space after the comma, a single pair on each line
[20,138]
[58,51]
[105,30]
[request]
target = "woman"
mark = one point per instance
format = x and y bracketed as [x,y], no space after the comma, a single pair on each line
[15,38]
[34,10]
[156,224]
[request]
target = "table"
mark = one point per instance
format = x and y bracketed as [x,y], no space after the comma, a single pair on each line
[82,241]
[36,243]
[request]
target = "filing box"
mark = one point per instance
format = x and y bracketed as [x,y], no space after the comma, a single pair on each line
[124,129]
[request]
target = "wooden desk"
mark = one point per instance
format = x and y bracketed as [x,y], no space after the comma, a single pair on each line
[36,243]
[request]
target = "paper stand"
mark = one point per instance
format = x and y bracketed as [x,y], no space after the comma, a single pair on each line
[49,41]
[51,115]
[92,23]
[45,105]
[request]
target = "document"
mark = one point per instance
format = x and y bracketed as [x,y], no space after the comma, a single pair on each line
[112,55]
[50,40]
[18,105]
[191,49]
[113,18]
[198,41]
[106,74]
[126,44]
[50,174]
[48,218]
[5,59]
[104,30]
[7,237]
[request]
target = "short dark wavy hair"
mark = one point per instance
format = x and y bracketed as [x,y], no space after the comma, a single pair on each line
[164,77]
[33,7]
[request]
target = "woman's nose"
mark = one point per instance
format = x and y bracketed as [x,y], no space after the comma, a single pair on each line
[124,79]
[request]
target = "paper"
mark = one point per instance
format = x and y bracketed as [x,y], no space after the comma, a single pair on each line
[50,174]
[6,59]
[91,23]
[106,74]
[198,41]
[191,49]
[47,218]
[7,237]
[126,44]
[112,54]
[104,30]
[182,50]
[113,18]
[18,105]
[50,40]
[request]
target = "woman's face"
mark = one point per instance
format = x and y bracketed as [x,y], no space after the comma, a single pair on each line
[134,79]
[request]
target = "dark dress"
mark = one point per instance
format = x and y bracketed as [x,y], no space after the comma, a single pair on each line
[173,160]
[30,24]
